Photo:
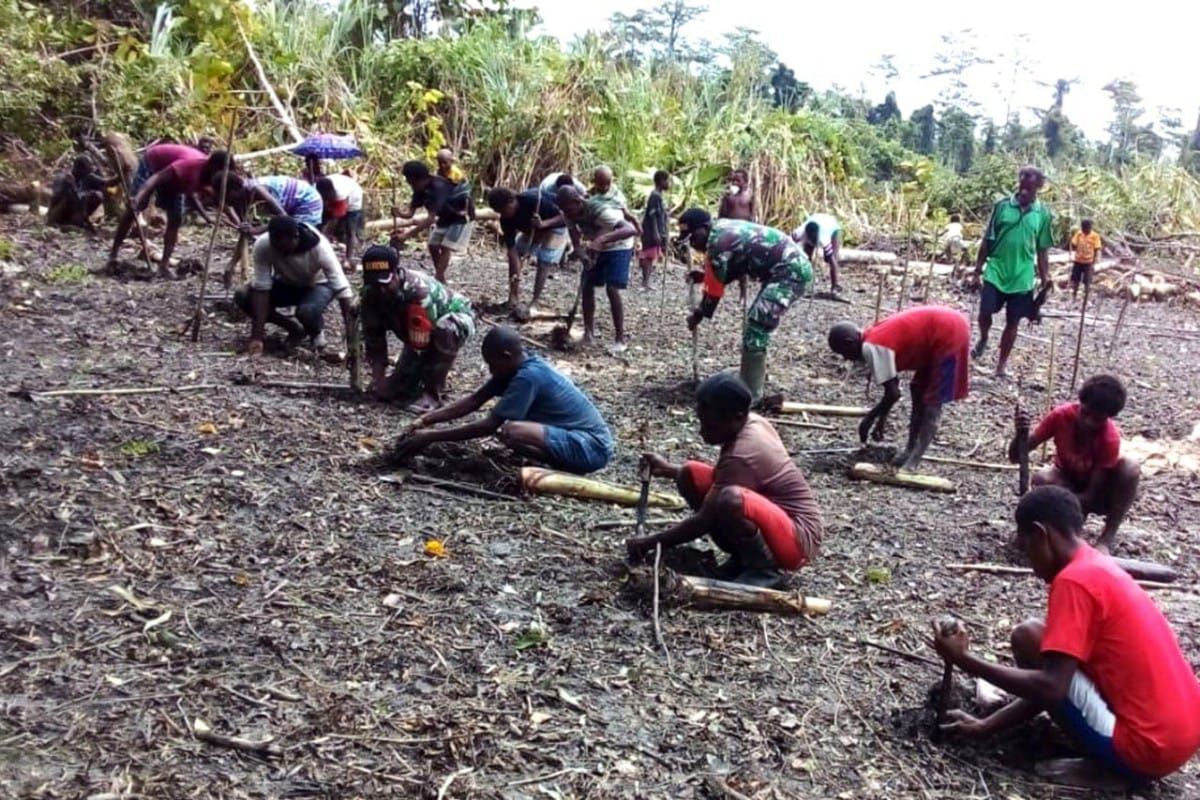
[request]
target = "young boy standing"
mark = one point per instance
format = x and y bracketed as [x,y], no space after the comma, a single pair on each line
[1087,453]
[1104,664]
[1086,245]
[654,227]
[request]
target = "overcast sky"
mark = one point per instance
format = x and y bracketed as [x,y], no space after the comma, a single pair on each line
[1150,42]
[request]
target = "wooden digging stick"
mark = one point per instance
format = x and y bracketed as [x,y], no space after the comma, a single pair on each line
[198,316]
[693,303]
[137,223]
[946,626]
[354,351]
[1087,288]
[1050,379]
[879,295]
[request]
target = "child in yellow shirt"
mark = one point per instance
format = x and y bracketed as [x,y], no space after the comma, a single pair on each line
[447,168]
[1086,244]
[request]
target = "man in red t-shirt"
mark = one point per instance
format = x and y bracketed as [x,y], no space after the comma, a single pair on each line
[1087,453]
[1104,664]
[931,341]
[170,173]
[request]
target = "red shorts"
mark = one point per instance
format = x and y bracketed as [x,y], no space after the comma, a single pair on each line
[337,209]
[777,528]
[650,253]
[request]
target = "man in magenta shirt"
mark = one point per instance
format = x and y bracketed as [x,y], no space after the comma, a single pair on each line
[1087,453]
[169,173]
[1104,664]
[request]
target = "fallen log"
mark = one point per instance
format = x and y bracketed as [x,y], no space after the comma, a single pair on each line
[707,593]
[1146,573]
[537,480]
[790,407]
[876,473]
[848,255]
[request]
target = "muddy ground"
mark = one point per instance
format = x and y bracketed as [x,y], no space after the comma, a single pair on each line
[235,554]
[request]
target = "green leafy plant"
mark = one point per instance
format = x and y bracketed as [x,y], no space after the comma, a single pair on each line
[139,448]
[68,275]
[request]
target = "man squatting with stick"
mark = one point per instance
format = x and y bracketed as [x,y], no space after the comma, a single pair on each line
[735,249]
[1017,236]
[1087,453]
[541,414]
[932,341]
[754,504]
[294,265]
[1104,664]
[431,321]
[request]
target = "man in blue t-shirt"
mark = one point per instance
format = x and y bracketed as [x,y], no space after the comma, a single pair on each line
[541,414]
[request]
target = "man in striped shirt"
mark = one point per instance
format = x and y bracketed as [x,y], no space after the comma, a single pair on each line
[282,196]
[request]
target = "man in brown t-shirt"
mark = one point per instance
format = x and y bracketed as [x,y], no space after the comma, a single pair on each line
[754,504]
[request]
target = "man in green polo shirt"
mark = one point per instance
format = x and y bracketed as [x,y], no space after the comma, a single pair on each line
[1017,237]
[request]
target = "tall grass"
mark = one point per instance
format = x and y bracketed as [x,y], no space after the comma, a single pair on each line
[517,108]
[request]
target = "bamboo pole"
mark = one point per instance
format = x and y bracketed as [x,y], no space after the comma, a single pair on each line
[790,407]
[137,223]
[790,423]
[1087,288]
[198,316]
[1050,380]
[963,462]
[285,116]
[876,473]
[117,392]
[1144,572]
[1112,348]
[903,287]
[879,295]
[537,480]
[693,303]
[707,593]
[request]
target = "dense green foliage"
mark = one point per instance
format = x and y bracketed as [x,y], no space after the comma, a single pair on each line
[516,107]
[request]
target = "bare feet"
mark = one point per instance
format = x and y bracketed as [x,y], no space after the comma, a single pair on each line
[424,404]
[1083,773]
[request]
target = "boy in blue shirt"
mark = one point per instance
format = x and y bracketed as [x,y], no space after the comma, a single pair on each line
[540,413]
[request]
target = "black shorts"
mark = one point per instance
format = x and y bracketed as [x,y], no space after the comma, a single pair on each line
[1019,304]
[1081,273]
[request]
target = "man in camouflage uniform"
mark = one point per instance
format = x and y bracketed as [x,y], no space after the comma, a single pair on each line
[432,321]
[737,248]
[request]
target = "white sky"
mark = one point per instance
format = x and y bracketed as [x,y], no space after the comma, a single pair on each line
[1150,42]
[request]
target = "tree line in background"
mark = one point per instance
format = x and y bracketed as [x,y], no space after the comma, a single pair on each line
[407,76]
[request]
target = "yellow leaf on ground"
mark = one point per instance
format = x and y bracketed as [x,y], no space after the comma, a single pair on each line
[207,428]
[435,548]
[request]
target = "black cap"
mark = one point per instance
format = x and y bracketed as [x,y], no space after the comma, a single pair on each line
[379,263]
[692,219]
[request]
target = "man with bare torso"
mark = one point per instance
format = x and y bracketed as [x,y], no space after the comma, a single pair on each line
[738,203]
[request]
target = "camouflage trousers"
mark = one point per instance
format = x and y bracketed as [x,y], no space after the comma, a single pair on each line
[772,302]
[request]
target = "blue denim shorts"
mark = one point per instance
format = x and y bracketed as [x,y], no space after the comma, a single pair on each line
[577,451]
[611,269]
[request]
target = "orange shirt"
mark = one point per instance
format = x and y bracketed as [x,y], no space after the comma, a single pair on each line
[1086,247]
